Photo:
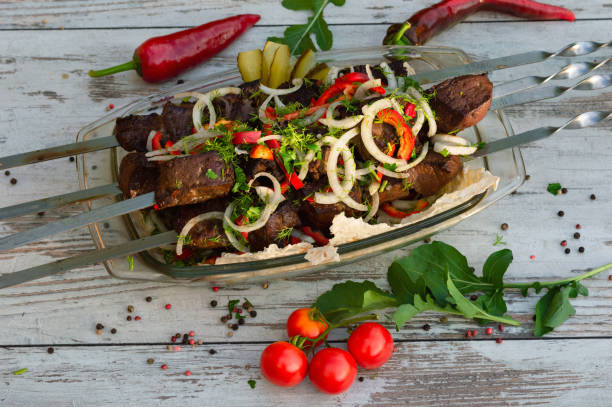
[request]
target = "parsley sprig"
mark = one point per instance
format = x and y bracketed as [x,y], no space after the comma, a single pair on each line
[437,277]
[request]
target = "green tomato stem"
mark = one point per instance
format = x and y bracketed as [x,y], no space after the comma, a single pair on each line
[561,282]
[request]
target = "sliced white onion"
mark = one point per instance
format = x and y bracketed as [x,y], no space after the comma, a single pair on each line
[418,123]
[266,194]
[262,110]
[454,150]
[279,92]
[306,162]
[422,104]
[278,102]
[270,137]
[409,70]
[191,223]
[451,140]
[188,142]
[206,99]
[394,174]
[346,123]
[233,239]
[313,118]
[332,74]
[404,205]
[343,190]
[265,214]
[362,90]
[390,75]
[152,134]
[374,209]
[240,151]
[369,71]
[373,187]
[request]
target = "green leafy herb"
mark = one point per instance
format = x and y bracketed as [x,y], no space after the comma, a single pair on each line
[445,153]
[437,277]
[186,240]
[231,305]
[499,239]
[390,167]
[252,383]
[284,234]
[554,188]
[211,174]
[20,371]
[130,260]
[241,183]
[298,37]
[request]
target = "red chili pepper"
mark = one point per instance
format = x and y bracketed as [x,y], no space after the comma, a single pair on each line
[240,221]
[407,139]
[317,236]
[187,253]
[334,90]
[294,240]
[410,110]
[161,58]
[246,137]
[156,142]
[169,144]
[352,77]
[435,19]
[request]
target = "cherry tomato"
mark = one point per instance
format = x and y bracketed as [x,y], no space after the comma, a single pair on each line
[332,370]
[301,322]
[283,364]
[371,345]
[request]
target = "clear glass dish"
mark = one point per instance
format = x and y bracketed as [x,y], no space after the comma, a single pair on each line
[99,168]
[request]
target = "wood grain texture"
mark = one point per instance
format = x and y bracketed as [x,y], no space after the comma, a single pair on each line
[429,374]
[180,13]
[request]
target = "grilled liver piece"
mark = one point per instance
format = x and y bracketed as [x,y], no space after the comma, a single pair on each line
[256,165]
[432,173]
[321,216]
[461,102]
[235,107]
[383,133]
[202,233]
[133,131]
[285,216]
[303,95]
[184,180]
[177,120]
[396,189]
[137,175]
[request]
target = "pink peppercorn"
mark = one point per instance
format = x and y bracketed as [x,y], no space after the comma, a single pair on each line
[137,318]
[215,288]
[191,333]
[164,366]
[489,331]
[168,306]
[578,226]
[474,332]
[173,339]
[564,243]
[498,340]
[501,327]
[191,341]
[532,257]
[111,106]
[187,372]
[177,348]
[468,334]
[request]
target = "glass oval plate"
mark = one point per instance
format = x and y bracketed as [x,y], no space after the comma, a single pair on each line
[507,165]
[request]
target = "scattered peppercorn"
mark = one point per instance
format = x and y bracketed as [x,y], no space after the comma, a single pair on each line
[164,366]
[576,235]
[527,177]
[593,197]
[610,277]
[114,331]
[41,214]
[426,327]
[235,327]
[180,81]
[265,285]
[474,332]
[187,372]
[212,351]
[129,317]
[176,348]
[191,333]
[177,335]
[443,320]
[489,331]
[361,378]
[564,243]
[173,339]
[200,342]
[498,340]
[50,351]
[560,213]
[564,190]
[567,250]
[504,226]
[532,257]
[192,341]
[230,334]
[215,288]
[98,332]
[473,297]
[501,327]
[241,321]
[253,314]
[185,338]
[150,361]
[7,173]
[99,326]
[137,318]
[148,299]
[578,226]
[426,240]
[168,306]
[13,181]
[106,225]
[468,334]
[71,159]
[213,303]
[224,319]
[130,308]
[581,249]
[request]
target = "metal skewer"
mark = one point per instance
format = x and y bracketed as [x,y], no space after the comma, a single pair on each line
[572,50]
[581,121]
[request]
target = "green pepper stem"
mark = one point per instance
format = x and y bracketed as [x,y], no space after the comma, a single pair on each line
[114,69]
[398,38]
[561,282]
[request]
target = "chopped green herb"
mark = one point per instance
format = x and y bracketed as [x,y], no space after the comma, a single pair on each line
[444,153]
[406,185]
[231,305]
[20,371]
[240,184]
[252,383]
[390,167]
[283,234]
[186,240]
[499,239]
[211,174]
[130,260]
[178,184]
[554,188]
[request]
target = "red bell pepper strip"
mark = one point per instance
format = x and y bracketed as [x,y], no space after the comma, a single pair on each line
[187,253]
[239,221]
[246,137]
[352,77]
[407,139]
[161,58]
[433,20]
[211,260]
[396,213]
[156,142]
[169,144]
[317,236]
[294,240]
[334,90]
[270,113]
[410,110]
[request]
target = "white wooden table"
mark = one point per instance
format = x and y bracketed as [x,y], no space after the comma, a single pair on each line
[46,96]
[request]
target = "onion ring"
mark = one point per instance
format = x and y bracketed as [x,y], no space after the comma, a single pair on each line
[191,223]
[344,124]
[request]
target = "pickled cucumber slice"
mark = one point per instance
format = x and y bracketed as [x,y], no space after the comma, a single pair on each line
[279,70]
[305,63]
[249,64]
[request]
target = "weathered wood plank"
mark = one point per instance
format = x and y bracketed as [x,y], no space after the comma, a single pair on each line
[480,373]
[43,109]
[173,13]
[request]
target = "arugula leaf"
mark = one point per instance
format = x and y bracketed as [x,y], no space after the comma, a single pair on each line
[494,303]
[350,298]
[298,37]
[552,310]
[495,267]
[406,312]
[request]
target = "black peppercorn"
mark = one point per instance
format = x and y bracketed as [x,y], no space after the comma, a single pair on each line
[185,338]
[426,240]
[576,235]
[50,350]
[213,303]
[426,327]
[593,197]
[224,319]
[560,213]
[229,316]
[253,314]
[527,177]
[212,351]
[13,181]
[473,297]
[148,299]
[504,226]
[130,308]
[129,318]
[235,327]
[581,249]
[360,378]
[41,214]
[180,82]
[567,250]
[241,321]
[71,159]
[7,173]
[113,331]
[99,326]
[564,190]
[106,225]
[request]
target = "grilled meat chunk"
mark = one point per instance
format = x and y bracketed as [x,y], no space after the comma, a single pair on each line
[396,189]
[461,102]
[321,216]
[208,234]
[383,135]
[285,216]
[137,175]
[177,120]
[193,179]
[317,168]
[303,96]
[257,165]
[235,107]
[133,131]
